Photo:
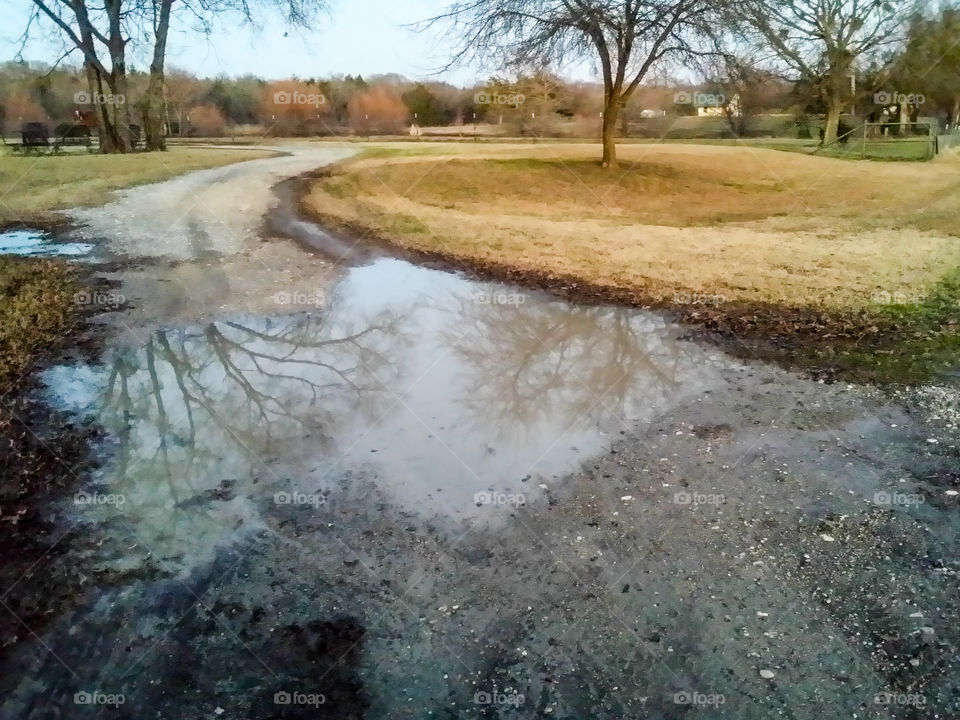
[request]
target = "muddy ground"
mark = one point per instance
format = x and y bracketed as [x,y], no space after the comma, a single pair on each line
[746,533]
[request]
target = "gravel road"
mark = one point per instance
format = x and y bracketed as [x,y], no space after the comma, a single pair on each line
[202,214]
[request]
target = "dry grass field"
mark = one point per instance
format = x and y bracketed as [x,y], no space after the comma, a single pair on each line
[744,223]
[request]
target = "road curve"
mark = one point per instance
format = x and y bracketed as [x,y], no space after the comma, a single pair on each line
[208,213]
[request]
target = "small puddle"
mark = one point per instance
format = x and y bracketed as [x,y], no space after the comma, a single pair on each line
[284,220]
[37,243]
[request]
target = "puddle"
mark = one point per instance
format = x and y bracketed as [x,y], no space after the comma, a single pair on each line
[36,243]
[451,396]
[284,220]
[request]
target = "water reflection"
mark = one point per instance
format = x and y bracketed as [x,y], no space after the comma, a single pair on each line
[252,380]
[525,365]
[200,416]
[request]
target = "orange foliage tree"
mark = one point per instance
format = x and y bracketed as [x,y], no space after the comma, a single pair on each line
[207,121]
[292,107]
[377,110]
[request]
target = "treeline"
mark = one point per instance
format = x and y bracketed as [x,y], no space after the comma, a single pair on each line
[917,78]
[539,104]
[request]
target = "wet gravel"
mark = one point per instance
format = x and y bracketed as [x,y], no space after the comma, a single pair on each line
[735,559]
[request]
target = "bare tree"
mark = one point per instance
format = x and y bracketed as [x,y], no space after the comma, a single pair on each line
[626,37]
[111,28]
[185,394]
[525,364]
[819,42]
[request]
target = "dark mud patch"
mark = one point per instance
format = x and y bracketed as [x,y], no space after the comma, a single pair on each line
[861,346]
[56,224]
[43,455]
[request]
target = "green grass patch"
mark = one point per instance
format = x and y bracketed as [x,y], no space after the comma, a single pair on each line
[913,150]
[935,310]
[918,341]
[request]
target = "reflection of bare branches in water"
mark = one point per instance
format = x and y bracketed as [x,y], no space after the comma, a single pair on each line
[530,362]
[257,384]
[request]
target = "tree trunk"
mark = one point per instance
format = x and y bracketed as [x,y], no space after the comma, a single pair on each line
[610,113]
[109,143]
[153,117]
[118,75]
[121,111]
[831,123]
[153,133]
[96,74]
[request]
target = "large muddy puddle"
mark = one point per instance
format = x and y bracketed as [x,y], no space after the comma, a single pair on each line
[459,400]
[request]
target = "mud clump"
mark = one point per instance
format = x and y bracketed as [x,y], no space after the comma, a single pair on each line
[319,661]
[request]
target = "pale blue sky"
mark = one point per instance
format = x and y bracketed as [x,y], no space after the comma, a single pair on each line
[358,36]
